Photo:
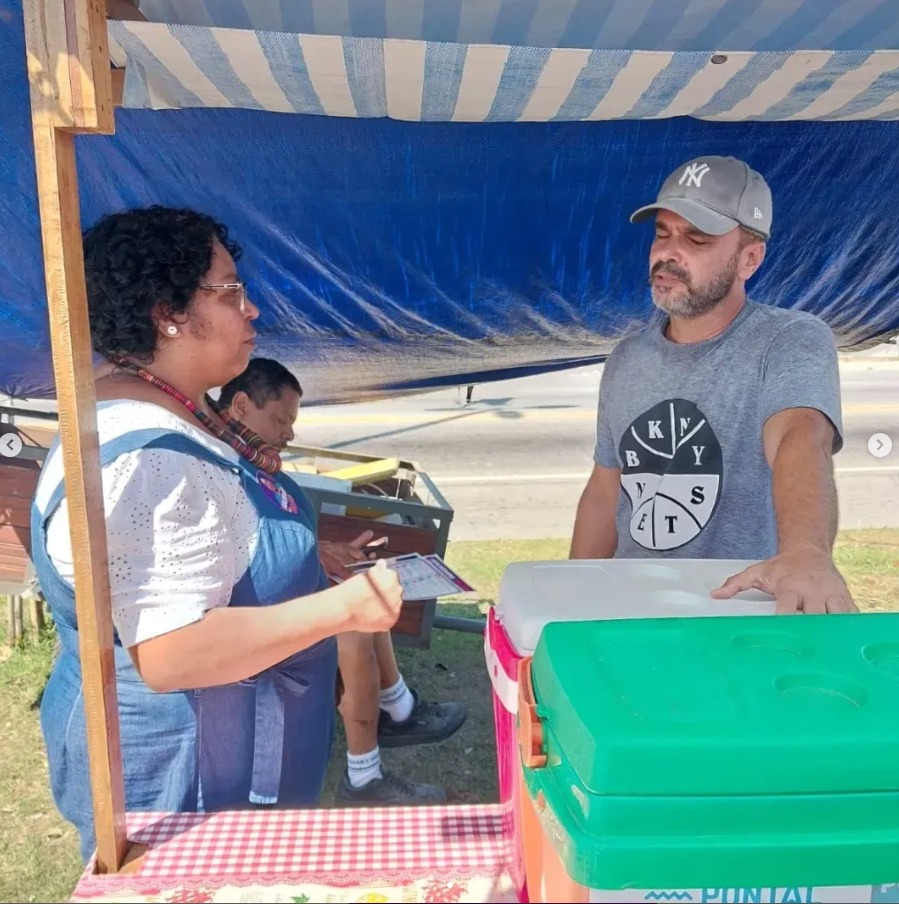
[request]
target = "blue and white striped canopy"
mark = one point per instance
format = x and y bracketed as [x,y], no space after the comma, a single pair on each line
[518,60]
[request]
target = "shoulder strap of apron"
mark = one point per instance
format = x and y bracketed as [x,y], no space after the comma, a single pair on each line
[48,575]
[149,438]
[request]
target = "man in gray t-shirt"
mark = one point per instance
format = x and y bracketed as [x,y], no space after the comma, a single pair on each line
[717,422]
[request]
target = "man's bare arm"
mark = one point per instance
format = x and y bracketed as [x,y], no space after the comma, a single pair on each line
[798,447]
[802,576]
[595,534]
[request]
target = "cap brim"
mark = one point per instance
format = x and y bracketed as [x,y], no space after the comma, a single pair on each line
[698,215]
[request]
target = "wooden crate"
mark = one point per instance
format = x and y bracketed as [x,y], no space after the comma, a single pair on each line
[408,495]
[18,481]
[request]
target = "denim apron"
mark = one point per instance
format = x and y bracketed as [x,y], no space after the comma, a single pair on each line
[264,740]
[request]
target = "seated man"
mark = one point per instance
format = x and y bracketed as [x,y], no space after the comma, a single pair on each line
[377,708]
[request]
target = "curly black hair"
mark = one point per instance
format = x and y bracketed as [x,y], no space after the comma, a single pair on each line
[137,259]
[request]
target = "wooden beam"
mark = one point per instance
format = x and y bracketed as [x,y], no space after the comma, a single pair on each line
[69,74]
[118,86]
[68,63]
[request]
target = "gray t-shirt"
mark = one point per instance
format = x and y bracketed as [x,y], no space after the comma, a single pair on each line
[684,424]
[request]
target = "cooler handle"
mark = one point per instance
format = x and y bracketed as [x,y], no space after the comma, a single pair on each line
[530,728]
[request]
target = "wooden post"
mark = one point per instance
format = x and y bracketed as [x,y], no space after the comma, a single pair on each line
[18,620]
[69,74]
[11,620]
[36,613]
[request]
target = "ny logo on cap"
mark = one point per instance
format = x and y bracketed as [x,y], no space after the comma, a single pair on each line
[693,174]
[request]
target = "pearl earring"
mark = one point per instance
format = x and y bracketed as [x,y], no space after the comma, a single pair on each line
[172,330]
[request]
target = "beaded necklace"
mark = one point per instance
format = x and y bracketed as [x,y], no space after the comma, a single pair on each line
[239,437]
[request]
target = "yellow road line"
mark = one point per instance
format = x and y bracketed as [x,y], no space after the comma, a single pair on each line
[308,419]
[442,480]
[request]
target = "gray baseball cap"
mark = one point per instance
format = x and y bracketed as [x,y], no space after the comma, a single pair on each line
[715,194]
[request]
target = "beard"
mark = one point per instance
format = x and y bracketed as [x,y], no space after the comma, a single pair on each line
[691,300]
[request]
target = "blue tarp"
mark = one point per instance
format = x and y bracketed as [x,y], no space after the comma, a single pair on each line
[388,256]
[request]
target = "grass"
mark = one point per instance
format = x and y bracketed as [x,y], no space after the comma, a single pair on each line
[38,851]
[869,561]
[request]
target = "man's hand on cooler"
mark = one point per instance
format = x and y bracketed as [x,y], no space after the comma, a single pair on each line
[803,580]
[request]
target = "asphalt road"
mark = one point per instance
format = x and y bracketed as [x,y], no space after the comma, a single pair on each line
[513,461]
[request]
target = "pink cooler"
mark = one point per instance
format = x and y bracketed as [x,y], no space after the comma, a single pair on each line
[502,659]
[531,594]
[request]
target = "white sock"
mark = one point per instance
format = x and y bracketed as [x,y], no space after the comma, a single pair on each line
[364,768]
[397,701]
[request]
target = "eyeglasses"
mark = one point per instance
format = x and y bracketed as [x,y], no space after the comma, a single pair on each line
[238,287]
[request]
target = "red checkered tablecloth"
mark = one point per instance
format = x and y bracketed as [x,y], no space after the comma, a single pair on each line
[416,853]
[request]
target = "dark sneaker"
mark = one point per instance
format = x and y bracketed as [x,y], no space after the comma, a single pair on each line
[389,791]
[429,722]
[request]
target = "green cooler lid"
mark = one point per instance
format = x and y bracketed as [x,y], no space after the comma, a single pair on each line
[724,706]
[729,752]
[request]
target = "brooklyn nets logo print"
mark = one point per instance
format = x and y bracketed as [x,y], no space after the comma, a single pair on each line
[671,471]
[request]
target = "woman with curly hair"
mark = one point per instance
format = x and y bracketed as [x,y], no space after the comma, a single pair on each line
[224,621]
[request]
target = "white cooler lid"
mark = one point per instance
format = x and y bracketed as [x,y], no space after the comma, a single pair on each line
[531,594]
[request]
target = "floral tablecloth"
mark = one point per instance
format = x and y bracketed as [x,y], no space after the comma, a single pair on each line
[415,854]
